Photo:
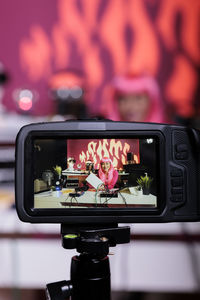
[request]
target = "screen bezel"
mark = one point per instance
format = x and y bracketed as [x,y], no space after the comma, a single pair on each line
[87,212]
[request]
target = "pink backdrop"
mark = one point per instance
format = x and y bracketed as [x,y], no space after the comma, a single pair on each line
[102,38]
[94,150]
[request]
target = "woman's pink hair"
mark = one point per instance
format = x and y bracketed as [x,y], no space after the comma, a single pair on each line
[102,175]
[129,84]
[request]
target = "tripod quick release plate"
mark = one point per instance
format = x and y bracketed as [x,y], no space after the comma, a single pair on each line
[94,239]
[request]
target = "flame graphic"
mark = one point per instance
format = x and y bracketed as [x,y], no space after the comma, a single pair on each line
[120,30]
[113,148]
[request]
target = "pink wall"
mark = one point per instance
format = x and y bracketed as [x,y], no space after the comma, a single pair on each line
[84,149]
[17,17]
[102,38]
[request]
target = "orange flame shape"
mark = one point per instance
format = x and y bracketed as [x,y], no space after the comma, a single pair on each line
[104,148]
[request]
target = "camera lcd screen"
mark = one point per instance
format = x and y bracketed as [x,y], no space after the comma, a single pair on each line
[95,173]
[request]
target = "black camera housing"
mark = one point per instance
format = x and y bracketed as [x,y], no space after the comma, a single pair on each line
[177,169]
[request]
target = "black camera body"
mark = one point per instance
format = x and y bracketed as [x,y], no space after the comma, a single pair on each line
[152,175]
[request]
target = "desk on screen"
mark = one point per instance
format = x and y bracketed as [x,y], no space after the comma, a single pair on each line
[92,199]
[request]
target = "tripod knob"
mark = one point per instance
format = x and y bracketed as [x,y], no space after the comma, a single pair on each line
[69,241]
[60,290]
[96,246]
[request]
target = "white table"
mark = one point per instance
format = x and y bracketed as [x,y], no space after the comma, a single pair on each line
[62,199]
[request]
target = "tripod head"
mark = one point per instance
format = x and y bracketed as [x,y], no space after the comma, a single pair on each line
[94,239]
[90,271]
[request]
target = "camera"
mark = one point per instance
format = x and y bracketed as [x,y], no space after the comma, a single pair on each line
[141,172]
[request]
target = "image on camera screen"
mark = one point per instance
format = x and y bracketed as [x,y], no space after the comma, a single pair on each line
[95,173]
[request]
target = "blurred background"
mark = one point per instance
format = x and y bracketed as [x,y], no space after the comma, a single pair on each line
[134,60]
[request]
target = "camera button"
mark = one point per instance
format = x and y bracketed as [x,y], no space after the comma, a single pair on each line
[176,172]
[177,198]
[181,148]
[177,182]
[181,155]
[176,191]
[181,152]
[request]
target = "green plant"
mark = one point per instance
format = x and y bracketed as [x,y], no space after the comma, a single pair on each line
[144,181]
[58,170]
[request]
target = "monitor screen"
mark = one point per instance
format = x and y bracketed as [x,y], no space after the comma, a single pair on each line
[73,173]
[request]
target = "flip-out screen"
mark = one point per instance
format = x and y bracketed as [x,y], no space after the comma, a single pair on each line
[95,173]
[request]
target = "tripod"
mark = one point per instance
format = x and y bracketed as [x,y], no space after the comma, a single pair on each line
[90,271]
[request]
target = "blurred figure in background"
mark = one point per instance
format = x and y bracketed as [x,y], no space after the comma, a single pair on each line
[134,99]
[68,90]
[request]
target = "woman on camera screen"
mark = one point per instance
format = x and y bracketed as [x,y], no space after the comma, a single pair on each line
[107,173]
